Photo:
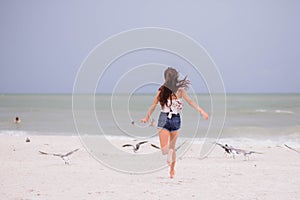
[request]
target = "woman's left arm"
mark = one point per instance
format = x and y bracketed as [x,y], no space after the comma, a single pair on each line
[193,104]
[151,109]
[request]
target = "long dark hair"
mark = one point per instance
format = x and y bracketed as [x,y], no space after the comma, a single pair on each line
[171,85]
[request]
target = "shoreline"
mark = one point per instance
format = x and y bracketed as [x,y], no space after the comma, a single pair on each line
[244,141]
[26,174]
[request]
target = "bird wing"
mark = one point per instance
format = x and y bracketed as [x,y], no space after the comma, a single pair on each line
[242,151]
[250,152]
[226,148]
[291,148]
[143,142]
[137,146]
[69,153]
[237,151]
[50,154]
[44,153]
[128,145]
[223,146]
[57,154]
[153,145]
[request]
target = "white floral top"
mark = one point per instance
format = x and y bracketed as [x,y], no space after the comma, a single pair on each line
[173,108]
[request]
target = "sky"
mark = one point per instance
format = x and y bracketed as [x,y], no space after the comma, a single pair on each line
[255,44]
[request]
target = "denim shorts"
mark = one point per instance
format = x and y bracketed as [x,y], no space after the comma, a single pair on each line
[172,124]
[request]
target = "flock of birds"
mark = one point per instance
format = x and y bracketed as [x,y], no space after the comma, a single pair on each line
[228,150]
[135,148]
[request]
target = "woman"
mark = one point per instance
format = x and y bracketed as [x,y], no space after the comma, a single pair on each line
[170,96]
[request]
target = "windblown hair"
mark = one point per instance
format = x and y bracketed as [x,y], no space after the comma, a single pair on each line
[171,85]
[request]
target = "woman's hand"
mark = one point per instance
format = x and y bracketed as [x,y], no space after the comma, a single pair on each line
[145,120]
[205,115]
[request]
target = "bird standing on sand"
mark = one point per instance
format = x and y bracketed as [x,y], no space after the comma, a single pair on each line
[233,151]
[244,152]
[62,156]
[226,148]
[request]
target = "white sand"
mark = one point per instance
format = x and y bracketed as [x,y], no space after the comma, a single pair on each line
[25,174]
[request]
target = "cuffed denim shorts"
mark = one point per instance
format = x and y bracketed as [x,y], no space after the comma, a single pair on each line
[172,124]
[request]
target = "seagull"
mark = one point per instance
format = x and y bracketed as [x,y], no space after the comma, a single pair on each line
[244,152]
[291,148]
[233,151]
[62,156]
[225,147]
[135,147]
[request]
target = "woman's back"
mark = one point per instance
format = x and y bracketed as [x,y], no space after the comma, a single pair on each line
[174,103]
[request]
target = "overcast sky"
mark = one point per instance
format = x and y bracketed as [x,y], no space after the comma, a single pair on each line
[255,44]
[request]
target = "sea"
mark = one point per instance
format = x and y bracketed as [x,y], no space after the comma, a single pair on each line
[264,118]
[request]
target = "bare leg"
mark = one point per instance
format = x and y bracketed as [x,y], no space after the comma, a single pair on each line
[172,170]
[164,136]
[173,138]
[172,143]
[170,157]
[165,140]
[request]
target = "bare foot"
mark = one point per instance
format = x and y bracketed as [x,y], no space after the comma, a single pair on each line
[172,173]
[169,157]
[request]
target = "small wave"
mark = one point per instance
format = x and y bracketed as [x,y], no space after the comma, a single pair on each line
[284,111]
[118,137]
[274,111]
[261,110]
[272,142]
[30,132]
[13,132]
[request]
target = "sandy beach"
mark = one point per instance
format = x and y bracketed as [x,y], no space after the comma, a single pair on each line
[28,175]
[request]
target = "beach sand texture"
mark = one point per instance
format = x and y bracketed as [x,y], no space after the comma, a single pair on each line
[26,174]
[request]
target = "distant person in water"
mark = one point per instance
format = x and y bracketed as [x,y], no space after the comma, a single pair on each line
[17,120]
[170,96]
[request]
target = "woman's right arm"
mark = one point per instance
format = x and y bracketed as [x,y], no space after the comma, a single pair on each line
[151,109]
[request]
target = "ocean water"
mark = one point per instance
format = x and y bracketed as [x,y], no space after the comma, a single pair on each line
[259,117]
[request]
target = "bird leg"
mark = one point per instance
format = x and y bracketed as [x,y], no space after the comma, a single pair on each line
[66,160]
